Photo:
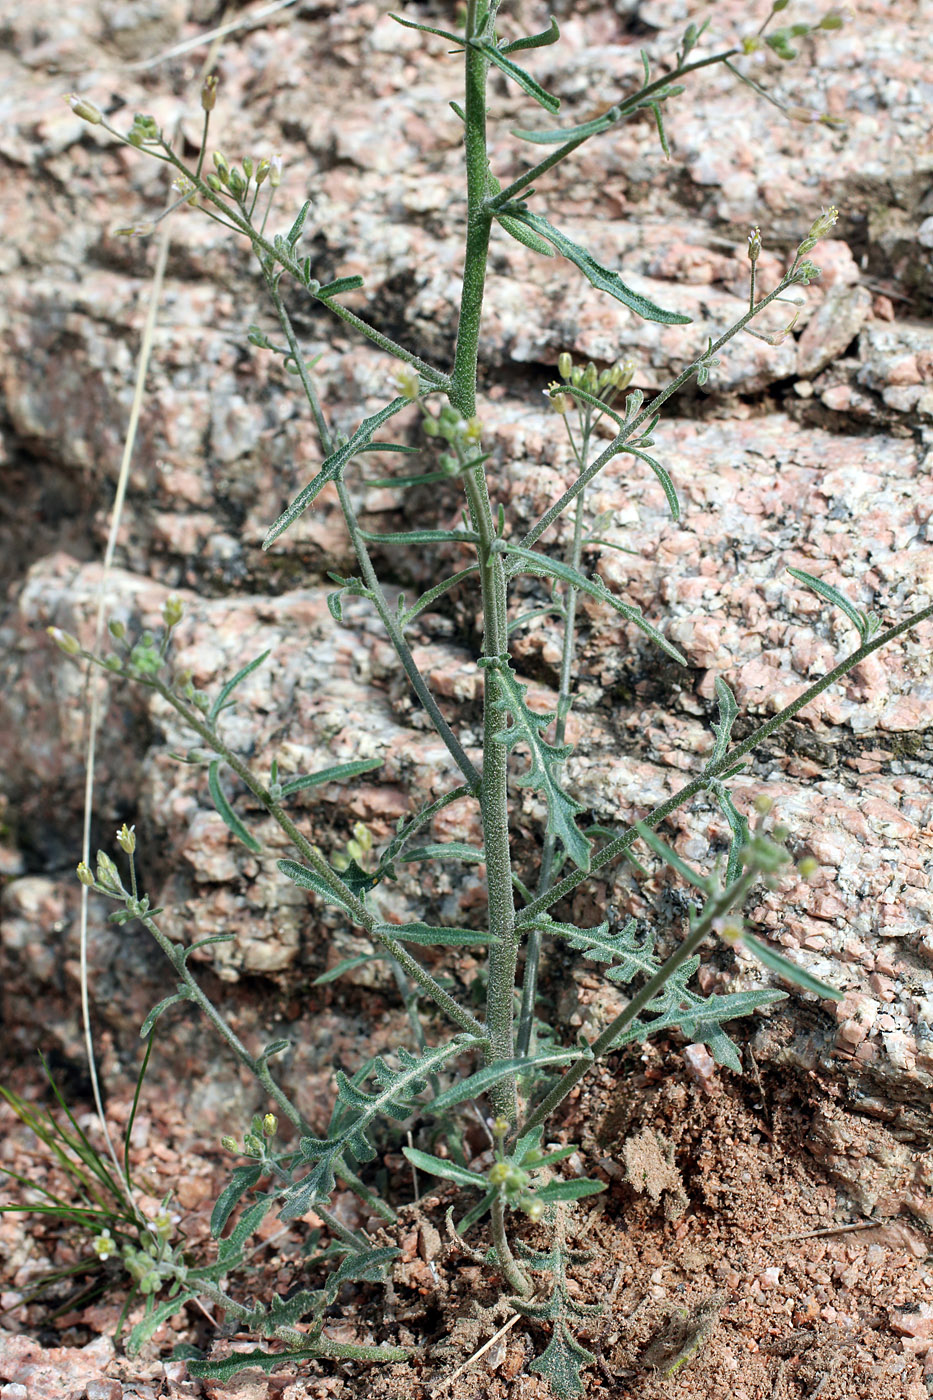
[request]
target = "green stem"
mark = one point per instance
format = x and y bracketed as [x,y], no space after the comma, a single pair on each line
[625,107]
[716,909]
[512,1271]
[389,621]
[630,430]
[533,947]
[622,843]
[493,792]
[438,379]
[357,909]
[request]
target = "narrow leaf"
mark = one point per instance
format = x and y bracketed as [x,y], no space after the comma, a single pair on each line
[427,29]
[447,850]
[241,1179]
[660,472]
[671,858]
[337,774]
[227,812]
[483,1079]
[534,41]
[403,482]
[560,135]
[421,536]
[221,701]
[598,276]
[156,1012]
[569,1190]
[345,965]
[332,466]
[518,75]
[341,284]
[431,937]
[525,235]
[230,1366]
[555,568]
[307,879]
[294,233]
[790,971]
[864,623]
[447,1171]
[389,447]
[728,714]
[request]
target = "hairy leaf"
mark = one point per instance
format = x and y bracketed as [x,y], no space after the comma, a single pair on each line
[221,702]
[866,624]
[429,936]
[603,278]
[534,41]
[309,880]
[521,234]
[446,1170]
[346,965]
[484,1078]
[447,850]
[227,812]
[562,1361]
[230,1366]
[420,536]
[518,75]
[728,714]
[536,563]
[342,284]
[526,728]
[241,1179]
[336,774]
[560,135]
[789,970]
[156,1011]
[331,468]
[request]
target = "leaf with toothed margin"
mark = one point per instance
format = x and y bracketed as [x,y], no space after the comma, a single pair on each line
[526,728]
[332,466]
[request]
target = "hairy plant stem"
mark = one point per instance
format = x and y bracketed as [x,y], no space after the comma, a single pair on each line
[622,843]
[717,908]
[573,557]
[512,1271]
[389,621]
[358,910]
[625,108]
[310,1344]
[493,793]
[260,1071]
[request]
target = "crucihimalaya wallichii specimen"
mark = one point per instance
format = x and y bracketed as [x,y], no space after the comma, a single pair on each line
[516,1067]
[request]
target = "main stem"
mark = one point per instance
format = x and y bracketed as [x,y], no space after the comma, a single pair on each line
[493,791]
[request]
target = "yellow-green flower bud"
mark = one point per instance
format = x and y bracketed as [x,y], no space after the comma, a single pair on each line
[248,167]
[355,851]
[500,1127]
[221,166]
[473,430]
[84,874]
[236,183]
[214,182]
[763,804]
[229,1144]
[126,837]
[561,403]
[565,366]
[831,21]
[363,836]
[116,628]
[808,867]
[622,374]
[270,1125]
[275,172]
[591,378]
[822,225]
[754,244]
[173,610]
[64,641]
[499,1173]
[262,170]
[751,43]
[407,382]
[88,111]
[107,873]
[209,93]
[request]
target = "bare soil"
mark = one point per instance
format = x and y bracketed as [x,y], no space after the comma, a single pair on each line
[726,1262]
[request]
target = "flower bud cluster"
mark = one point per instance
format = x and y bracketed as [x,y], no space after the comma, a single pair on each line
[463,435]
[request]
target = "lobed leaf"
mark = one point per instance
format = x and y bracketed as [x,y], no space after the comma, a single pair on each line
[331,468]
